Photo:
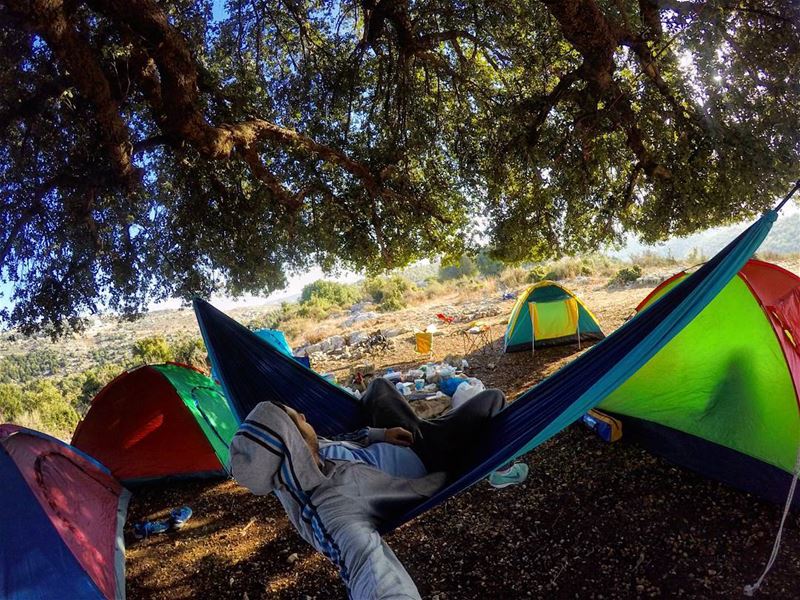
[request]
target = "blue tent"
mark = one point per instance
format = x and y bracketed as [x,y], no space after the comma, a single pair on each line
[61,519]
[276,339]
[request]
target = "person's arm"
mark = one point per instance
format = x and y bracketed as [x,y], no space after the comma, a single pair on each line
[362,437]
[370,435]
[373,570]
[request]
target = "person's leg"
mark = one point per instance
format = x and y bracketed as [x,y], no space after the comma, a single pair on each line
[386,407]
[477,409]
[445,439]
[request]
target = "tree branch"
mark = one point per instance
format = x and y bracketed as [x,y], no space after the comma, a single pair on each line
[686,8]
[33,104]
[175,91]
[283,195]
[49,19]
[596,38]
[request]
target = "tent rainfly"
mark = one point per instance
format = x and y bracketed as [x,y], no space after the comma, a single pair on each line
[61,521]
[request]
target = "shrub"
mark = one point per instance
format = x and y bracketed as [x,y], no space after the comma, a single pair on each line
[10,402]
[316,307]
[433,289]
[650,259]
[570,267]
[331,292]
[537,273]
[56,413]
[154,349]
[270,320]
[599,265]
[696,256]
[189,351]
[389,293]
[626,275]
[513,277]
[59,416]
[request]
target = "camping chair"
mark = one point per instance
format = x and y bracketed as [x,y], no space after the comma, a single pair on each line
[423,343]
[477,337]
[560,315]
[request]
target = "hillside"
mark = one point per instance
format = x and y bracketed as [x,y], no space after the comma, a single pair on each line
[109,339]
[784,238]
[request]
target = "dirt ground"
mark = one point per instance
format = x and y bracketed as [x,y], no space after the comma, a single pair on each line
[593,520]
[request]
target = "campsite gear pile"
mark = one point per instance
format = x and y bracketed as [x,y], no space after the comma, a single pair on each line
[433,380]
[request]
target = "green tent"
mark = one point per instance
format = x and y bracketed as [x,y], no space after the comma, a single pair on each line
[560,318]
[721,397]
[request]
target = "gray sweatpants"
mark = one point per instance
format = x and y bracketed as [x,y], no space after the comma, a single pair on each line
[441,443]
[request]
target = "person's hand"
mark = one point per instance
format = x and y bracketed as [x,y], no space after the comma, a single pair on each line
[399,436]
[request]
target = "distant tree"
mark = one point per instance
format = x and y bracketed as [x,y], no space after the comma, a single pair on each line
[389,292]
[154,349]
[149,151]
[24,367]
[465,267]
[91,382]
[55,411]
[487,266]
[338,294]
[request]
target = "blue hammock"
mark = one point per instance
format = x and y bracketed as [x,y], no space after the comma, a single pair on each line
[252,371]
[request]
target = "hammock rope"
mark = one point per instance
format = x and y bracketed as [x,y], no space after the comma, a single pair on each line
[750,590]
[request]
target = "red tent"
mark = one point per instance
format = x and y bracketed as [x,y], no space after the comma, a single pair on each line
[158,421]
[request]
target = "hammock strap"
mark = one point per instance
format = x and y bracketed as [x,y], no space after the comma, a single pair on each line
[751,589]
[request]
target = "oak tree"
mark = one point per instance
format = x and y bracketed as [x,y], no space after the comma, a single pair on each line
[153,149]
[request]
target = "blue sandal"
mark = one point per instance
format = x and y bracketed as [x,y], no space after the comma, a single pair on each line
[179,516]
[147,528]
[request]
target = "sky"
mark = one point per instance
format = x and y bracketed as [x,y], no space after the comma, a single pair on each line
[218,12]
[292,290]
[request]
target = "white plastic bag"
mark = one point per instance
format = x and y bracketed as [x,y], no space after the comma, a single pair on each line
[467,390]
[446,371]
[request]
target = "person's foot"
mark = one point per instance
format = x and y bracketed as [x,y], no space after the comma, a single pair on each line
[516,473]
